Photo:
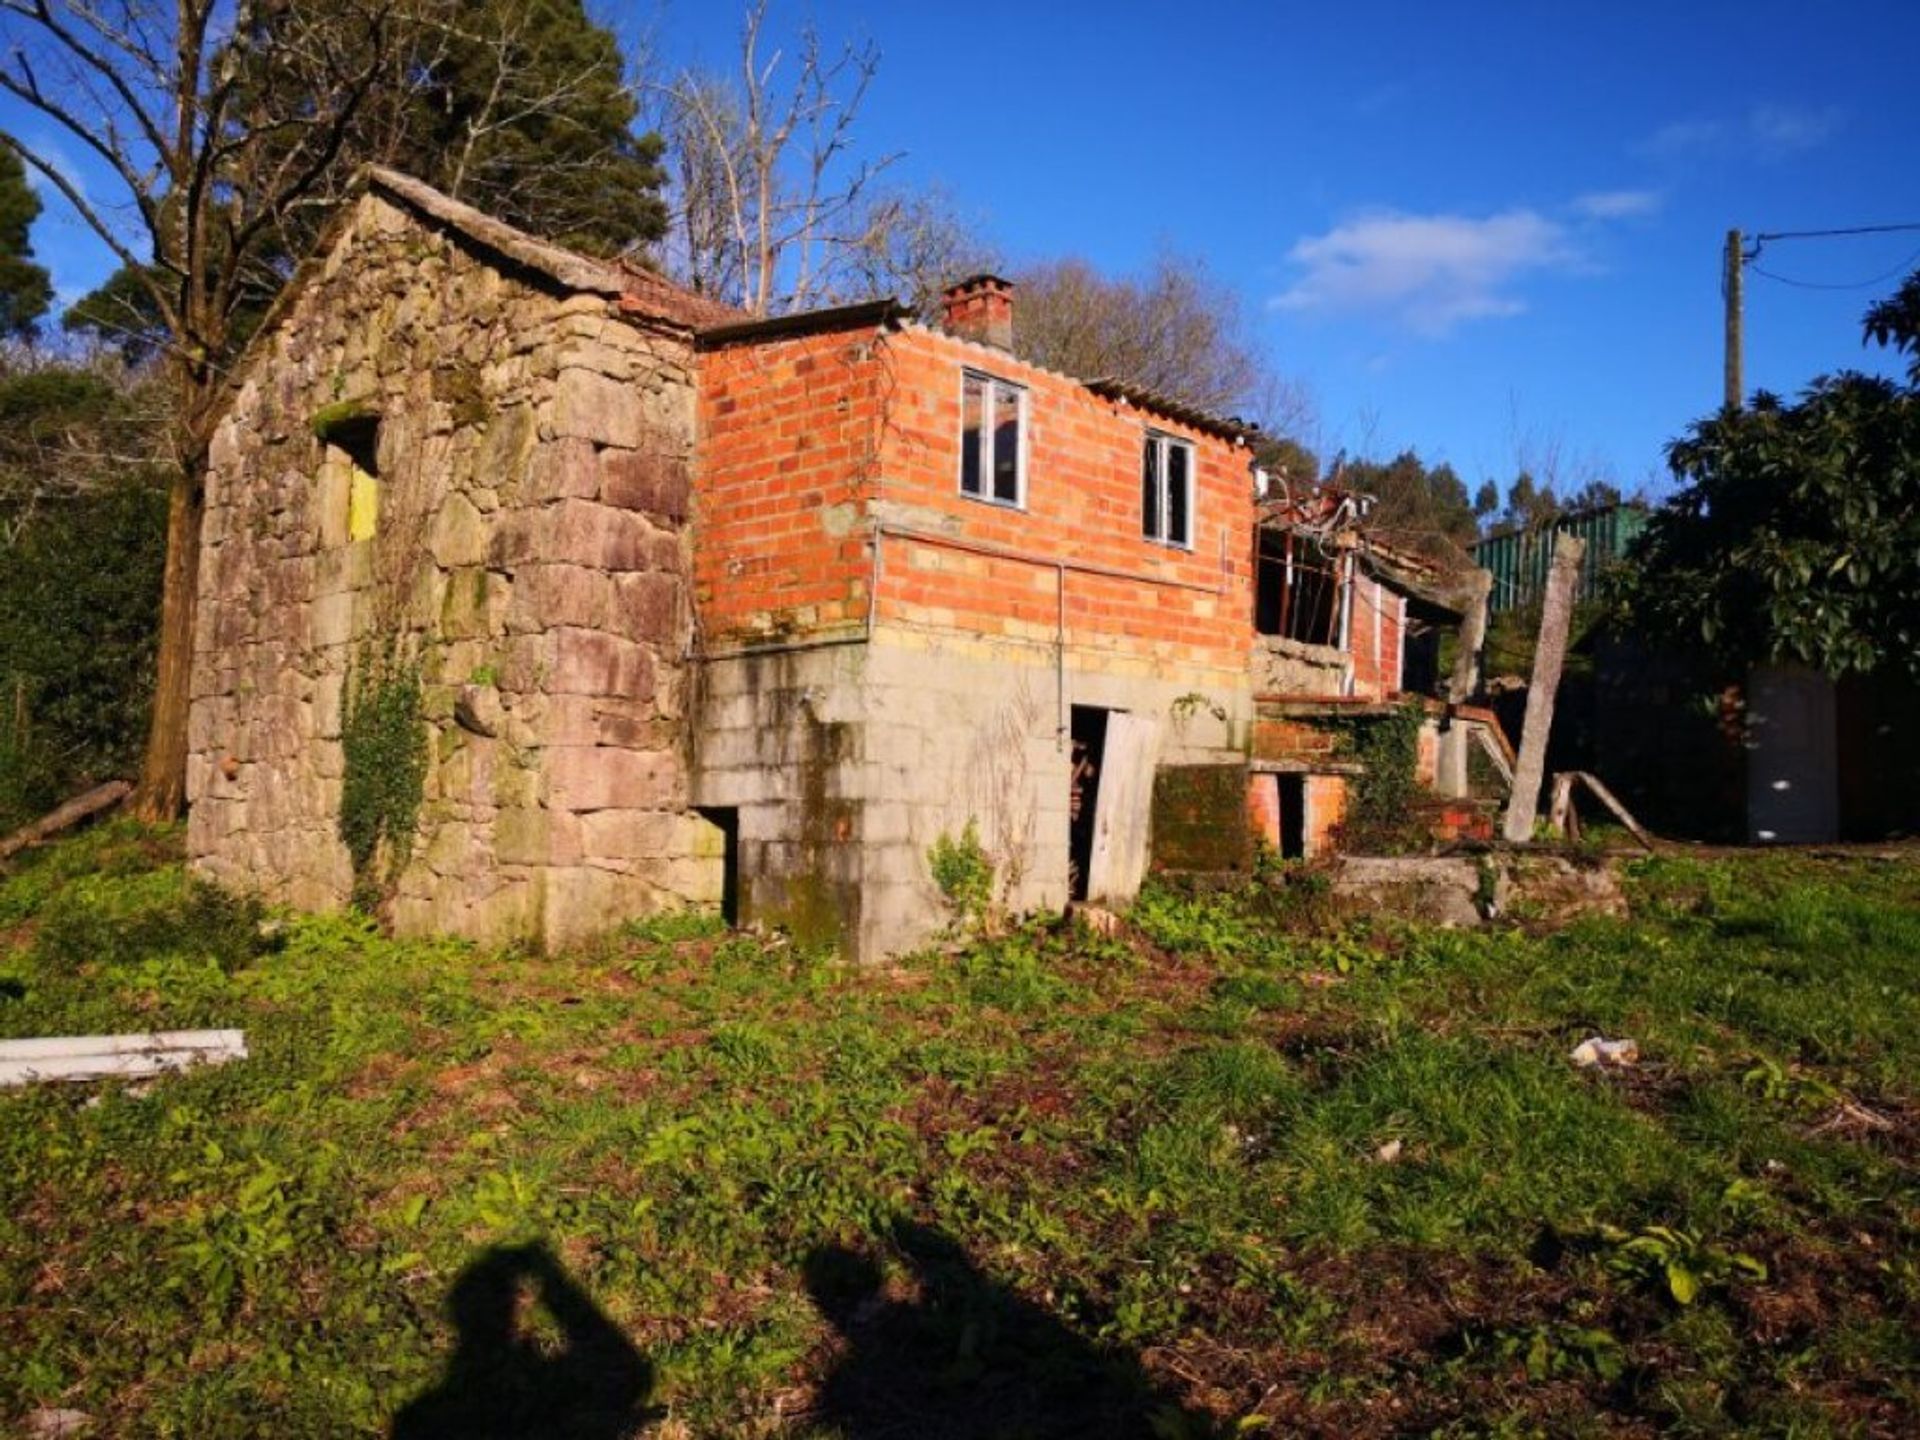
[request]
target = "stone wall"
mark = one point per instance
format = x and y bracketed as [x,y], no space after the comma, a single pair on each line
[528,548]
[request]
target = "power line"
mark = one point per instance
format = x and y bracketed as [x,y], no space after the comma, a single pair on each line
[1881,278]
[1764,236]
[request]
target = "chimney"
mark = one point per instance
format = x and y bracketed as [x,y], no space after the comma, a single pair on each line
[980,308]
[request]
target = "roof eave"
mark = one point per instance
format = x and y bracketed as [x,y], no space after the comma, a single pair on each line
[802,322]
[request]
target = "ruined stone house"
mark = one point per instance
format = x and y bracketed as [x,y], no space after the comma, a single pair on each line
[710,610]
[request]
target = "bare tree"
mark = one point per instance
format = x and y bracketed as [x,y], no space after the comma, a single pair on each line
[1175,330]
[770,196]
[209,164]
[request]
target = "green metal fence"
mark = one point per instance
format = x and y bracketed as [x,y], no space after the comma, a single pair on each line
[1518,559]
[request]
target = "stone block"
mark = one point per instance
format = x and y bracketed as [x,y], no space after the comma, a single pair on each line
[593,777]
[592,662]
[582,901]
[648,481]
[520,836]
[516,540]
[629,834]
[564,469]
[546,596]
[458,535]
[599,536]
[590,406]
[647,607]
[330,620]
[468,605]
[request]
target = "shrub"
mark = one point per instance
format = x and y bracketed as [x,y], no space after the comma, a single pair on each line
[79,607]
[964,872]
[120,923]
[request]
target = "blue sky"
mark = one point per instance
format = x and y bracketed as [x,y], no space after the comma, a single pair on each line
[1490,232]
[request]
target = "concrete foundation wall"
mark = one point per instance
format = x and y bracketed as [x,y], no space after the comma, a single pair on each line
[846,763]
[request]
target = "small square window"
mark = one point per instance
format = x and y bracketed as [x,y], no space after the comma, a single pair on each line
[993,457]
[353,442]
[1166,491]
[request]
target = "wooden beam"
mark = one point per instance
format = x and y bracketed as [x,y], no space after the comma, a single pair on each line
[81,807]
[100,1057]
[1549,658]
[1608,799]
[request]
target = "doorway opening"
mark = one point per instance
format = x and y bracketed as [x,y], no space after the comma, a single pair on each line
[1088,733]
[726,819]
[1293,816]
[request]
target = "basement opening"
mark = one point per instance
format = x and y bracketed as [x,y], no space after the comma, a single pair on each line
[726,819]
[1089,735]
[1293,816]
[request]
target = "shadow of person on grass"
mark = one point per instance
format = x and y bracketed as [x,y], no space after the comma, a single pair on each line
[970,1358]
[503,1380]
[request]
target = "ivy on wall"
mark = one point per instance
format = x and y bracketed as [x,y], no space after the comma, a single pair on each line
[1380,801]
[383,737]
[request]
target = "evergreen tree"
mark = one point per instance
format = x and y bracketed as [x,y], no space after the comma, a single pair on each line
[525,114]
[1795,533]
[25,288]
[517,107]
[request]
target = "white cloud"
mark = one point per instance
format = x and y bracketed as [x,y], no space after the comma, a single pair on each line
[1616,204]
[1428,272]
[1790,129]
[1685,137]
[1768,131]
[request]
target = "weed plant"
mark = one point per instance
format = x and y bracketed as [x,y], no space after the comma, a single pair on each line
[1249,1168]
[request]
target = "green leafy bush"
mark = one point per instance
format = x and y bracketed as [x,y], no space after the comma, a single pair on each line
[120,924]
[82,545]
[964,872]
[1381,798]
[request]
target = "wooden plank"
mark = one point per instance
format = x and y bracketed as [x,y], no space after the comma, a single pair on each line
[1123,807]
[133,1044]
[102,1057]
[1549,657]
[81,807]
[1502,762]
[1560,816]
[1608,799]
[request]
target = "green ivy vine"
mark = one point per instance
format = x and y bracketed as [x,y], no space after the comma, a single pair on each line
[383,737]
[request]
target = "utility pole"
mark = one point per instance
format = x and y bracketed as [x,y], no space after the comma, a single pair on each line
[1736,387]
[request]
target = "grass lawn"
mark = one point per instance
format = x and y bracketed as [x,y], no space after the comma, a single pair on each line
[1056,1184]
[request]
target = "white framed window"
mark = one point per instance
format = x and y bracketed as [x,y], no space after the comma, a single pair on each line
[993,440]
[1166,491]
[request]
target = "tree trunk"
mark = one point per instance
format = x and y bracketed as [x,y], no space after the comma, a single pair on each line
[162,792]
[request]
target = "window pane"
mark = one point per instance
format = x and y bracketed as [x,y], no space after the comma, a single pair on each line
[1179,461]
[1150,491]
[972,433]
[1006,444]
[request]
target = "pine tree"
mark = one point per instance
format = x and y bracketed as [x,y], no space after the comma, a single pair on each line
[25,288]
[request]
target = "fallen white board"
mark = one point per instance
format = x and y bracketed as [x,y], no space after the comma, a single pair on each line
[100,1057]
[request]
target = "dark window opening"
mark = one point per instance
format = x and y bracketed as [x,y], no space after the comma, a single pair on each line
[726,819]
[1089,744]
[1293,816]
[1297,591]
[1420,655]
[358,438]
[992,457]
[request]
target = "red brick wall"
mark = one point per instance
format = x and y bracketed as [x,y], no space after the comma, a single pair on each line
[1082,504]
[784,467]
[799,436]
[1376,638]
